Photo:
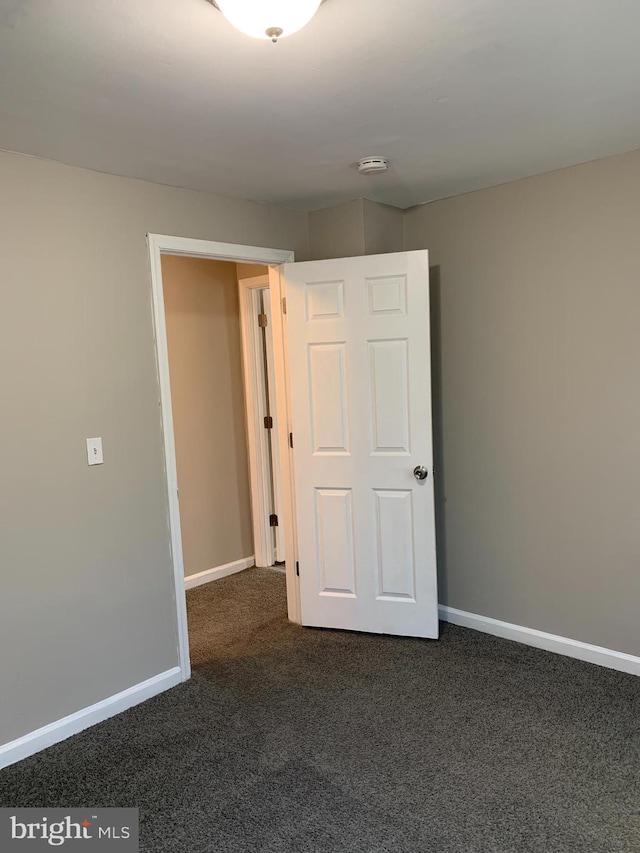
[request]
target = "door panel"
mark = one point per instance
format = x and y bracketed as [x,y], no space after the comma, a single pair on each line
[394,531]
[336,557]
[359,358]
[328,398]
[389,384]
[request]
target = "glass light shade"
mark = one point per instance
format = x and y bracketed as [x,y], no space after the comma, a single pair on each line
[264,19]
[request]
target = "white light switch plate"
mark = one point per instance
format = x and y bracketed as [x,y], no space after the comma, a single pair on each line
[94,451]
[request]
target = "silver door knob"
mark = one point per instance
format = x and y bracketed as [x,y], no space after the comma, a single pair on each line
[420,472]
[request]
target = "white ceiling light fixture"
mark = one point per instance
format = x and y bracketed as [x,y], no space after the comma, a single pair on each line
[268,19]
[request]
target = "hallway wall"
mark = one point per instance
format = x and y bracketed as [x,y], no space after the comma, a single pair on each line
[203,335]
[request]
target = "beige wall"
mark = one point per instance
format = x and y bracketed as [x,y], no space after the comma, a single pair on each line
[358,227]
[383,228]
[250,270]
[539,291]
[207,395]
[87,606]
[338,231]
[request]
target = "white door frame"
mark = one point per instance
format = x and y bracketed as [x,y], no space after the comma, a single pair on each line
[273,405]
[255,398]
[161,244]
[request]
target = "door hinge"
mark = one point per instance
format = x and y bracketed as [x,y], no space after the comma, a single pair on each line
[273,521]
[268,422]
[291,440]
[262,321]
[284,304]
[297,569]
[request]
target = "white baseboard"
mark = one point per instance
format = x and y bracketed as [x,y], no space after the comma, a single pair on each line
[219,572]
[52,733]
[542,640]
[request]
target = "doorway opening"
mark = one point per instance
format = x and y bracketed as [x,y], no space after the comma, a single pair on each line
[224,411]
[220,372]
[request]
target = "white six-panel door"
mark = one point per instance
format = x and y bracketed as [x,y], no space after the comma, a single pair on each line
[359,360]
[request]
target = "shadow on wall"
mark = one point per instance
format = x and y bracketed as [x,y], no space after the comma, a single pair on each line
[438,432]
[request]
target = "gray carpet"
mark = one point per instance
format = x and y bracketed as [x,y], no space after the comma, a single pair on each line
[290,739]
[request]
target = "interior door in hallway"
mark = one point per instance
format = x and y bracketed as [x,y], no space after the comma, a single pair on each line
[359,365]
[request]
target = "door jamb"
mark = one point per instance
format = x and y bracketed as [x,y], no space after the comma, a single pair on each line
[158,245]
[280,549]
[277,292]
[255,398]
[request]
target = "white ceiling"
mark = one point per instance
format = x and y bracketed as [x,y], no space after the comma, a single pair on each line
[460,94]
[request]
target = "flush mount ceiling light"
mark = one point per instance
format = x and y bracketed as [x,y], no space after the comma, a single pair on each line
[268,19]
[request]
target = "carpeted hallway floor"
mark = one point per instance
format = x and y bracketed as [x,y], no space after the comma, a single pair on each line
[289,740]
